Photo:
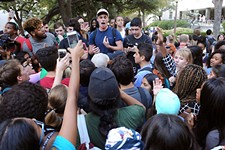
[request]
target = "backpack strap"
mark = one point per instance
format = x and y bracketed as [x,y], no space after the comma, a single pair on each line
[114,35]
[147,69]
[95,33]
[143,96]
[29,45]
[82,128]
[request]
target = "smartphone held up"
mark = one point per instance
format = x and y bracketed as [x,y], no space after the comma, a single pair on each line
[72,39]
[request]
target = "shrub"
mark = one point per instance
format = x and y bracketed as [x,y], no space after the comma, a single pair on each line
[223,24]
[169,24]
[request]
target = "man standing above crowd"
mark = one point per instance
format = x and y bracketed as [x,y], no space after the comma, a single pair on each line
[38,37]
[105,39]
[132,41]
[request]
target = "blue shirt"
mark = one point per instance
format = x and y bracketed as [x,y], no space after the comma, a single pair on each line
[100,35]
[61,143]
[140,75]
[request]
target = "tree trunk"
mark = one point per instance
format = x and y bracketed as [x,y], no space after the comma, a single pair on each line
[160,18]
[143,17]
[217,16]
[65,10]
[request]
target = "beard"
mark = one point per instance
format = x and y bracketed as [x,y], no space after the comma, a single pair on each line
[42,36]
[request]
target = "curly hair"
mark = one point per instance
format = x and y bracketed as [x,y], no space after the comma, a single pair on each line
[31,24]
[189,79]
[47,57]
[24,100]
[9,73]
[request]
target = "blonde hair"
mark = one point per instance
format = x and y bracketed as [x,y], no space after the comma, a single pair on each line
[186,53]
[56,103]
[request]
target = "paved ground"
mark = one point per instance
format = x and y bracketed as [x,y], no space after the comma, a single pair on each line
[206,26]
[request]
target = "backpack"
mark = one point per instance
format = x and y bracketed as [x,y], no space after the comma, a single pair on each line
[27,41]
[143,96]
[113,33]
[147,69]
[209,43]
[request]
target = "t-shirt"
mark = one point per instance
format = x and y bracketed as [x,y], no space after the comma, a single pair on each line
[212,140]
[130,117]
[36,45]
[100,35]
[61,143]
[132,40]
[47,82]
[64,44]
[141,73]
[134,92]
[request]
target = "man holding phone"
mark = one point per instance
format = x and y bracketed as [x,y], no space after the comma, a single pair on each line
[105,39]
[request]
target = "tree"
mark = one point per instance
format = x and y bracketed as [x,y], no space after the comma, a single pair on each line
[217,16]
[23,10]
[144,7]
[163,6]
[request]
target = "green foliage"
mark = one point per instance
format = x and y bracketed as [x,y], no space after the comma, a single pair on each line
[223,24]
[169,24]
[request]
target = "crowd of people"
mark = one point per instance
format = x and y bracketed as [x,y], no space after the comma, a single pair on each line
[117,88]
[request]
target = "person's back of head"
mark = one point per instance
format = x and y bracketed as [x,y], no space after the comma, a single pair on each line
[145,50]
[47,57]
[136,22]
[100,60]
[188,81]
[167,132]
[212,110]
[219,45]
[167,102]
[184,38]
[18,134]
[219,70]
[196,52]
[9,73]
[86,68]
[104,97]
[123,70]
[160,66]
[56,102]
[209,32]
[24,100]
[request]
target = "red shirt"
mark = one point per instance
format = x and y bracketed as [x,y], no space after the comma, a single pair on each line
[47,82]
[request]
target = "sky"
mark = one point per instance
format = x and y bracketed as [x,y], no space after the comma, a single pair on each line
[184,5]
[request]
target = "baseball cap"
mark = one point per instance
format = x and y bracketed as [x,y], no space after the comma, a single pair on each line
[102,11]
[103,87]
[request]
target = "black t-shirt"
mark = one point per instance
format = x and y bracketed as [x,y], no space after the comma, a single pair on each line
[130,39]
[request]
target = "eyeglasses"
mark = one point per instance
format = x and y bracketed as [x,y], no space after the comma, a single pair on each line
[40,124]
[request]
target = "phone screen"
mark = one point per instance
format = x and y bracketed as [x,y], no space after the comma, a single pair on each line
[72,39]
[62,53]
[85,24]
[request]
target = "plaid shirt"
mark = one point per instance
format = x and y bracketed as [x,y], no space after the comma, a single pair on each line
[170,64]
[194,106]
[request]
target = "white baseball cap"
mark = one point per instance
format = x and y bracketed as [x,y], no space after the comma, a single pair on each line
[102,10]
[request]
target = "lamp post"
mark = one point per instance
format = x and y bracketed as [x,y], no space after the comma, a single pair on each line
[175,19]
